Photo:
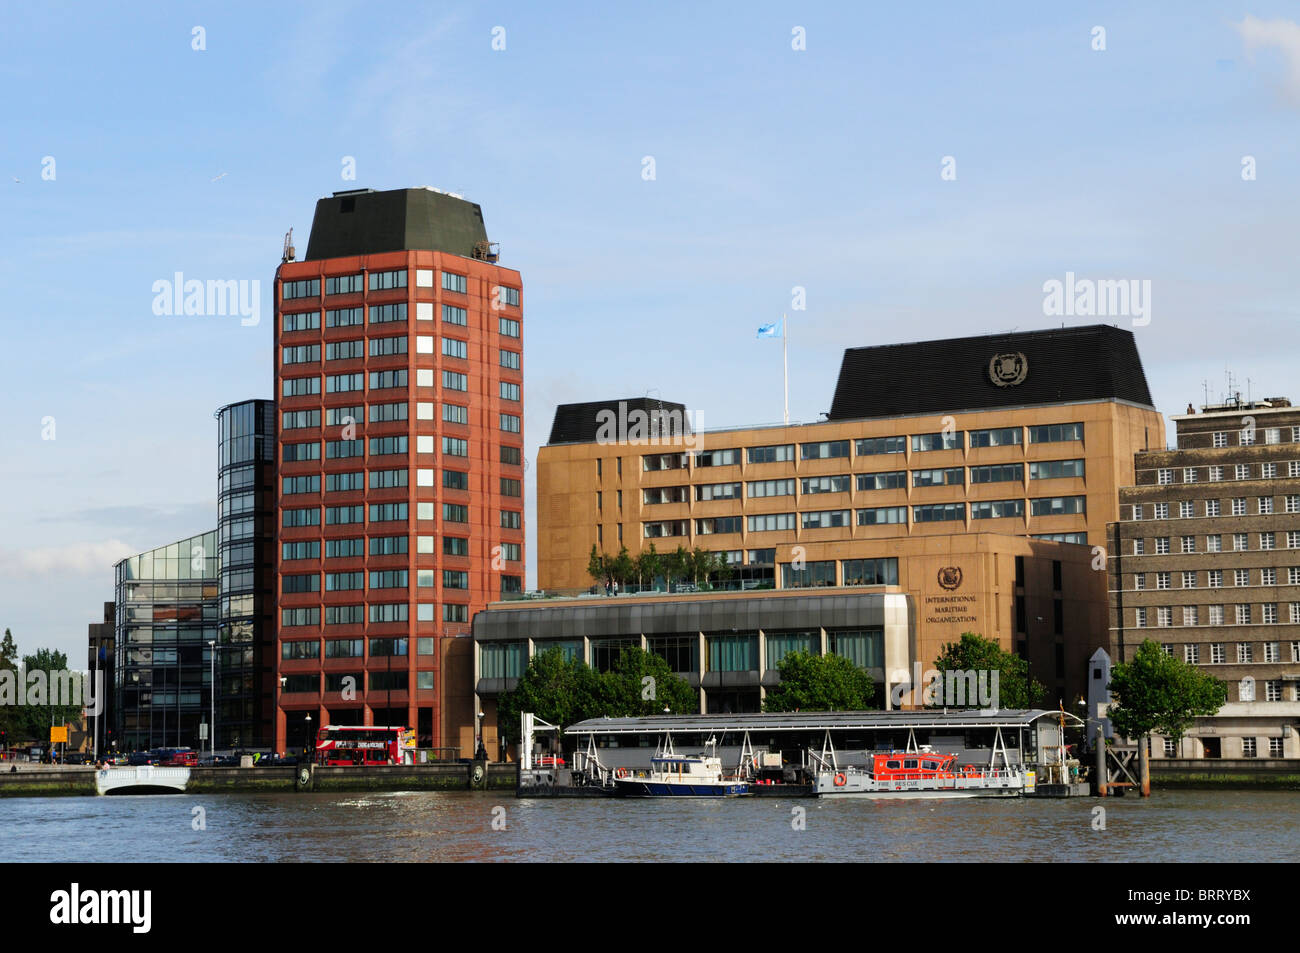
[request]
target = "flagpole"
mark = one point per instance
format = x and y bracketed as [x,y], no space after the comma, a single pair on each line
[785,364]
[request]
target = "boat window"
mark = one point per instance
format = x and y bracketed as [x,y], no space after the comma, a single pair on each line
[909,763]
[893,765]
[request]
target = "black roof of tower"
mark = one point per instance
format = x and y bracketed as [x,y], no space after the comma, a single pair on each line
[364,222]
[580,423]
[1098,362]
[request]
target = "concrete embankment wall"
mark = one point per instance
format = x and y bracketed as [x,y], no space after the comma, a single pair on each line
[1283,773]
[40,781]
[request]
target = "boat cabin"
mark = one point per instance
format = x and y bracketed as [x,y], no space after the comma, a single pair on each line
[911,765]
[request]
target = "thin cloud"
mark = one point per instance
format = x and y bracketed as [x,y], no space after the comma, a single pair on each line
[83,557]
[1283,35]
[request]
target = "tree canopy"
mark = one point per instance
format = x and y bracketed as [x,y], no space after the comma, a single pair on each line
[820,683]
[977,654]
[1157,692]
[564,692]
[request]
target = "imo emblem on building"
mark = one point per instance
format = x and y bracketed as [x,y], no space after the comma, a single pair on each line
[950,577]
[1008,370]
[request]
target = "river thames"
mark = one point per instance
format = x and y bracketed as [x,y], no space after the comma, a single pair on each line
[1181,826]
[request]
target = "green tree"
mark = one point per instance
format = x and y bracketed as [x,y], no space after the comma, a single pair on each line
[10,717]
[622,567]
[977,654]
[677,565]
[1157,692]
[648,563]
[555,689]
[820,683]
[629,694]
[35,720]
[596,565]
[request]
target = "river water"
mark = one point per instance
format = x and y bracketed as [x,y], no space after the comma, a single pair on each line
[1182,826]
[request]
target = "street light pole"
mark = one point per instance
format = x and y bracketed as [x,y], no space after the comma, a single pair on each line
[212,698]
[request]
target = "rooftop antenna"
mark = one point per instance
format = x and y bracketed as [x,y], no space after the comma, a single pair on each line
[288,247]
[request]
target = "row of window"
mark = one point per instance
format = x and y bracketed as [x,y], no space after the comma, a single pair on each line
[894,480]
[339,384]
[352,681]
[869,446]
[1243,614]
[383,612]
[353,547]
[386,480]
[1253,436]
[352,350]
[1239,471]
[387,513]
[935,513]
[389,281]
[1267,576]
[1238,506]
[387,446]
[1214,543]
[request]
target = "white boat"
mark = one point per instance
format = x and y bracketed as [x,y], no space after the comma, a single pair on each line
[141,779]
[679,775]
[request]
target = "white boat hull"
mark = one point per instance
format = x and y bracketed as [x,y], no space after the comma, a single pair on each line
[144,779]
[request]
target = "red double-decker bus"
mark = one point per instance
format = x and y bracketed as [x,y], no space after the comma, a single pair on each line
[362,745]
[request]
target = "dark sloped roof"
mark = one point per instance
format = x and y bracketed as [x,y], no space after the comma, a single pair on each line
[366,222]
[817,721]
[1098,362]
[581,423]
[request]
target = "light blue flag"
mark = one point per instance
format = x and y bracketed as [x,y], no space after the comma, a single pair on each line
[772,330]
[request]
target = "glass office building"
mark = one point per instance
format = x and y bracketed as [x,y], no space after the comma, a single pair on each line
[246,541]
[166,616]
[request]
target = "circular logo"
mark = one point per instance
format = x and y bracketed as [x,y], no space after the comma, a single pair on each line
[304,776]
[950,577]
[1008,370]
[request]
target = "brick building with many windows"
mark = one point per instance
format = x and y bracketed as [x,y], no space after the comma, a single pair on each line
[1205,560]
[400,462]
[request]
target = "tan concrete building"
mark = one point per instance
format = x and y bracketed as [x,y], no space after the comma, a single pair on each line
[1205,560]
[948,458]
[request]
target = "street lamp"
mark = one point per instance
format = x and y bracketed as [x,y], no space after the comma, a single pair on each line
[480,754]
[212,697]
[306,742]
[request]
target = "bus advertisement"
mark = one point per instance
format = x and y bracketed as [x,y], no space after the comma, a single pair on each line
[364,745]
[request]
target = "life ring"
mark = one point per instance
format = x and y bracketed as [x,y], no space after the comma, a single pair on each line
[621,773]
[304,776]
[841,780]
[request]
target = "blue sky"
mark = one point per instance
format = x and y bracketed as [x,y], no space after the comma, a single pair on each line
[774,168]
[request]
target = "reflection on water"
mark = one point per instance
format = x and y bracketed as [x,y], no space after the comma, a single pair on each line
[1194,826]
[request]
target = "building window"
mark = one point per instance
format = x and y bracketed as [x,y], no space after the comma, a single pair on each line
[758,488]
[510,360]
[1189,579]
[1240,542]
[1189,544]
[870,446]
[771,522]
[455,513]
[297,617]
[825,450]
[1248,744]
[1220,439]
[1058,506]
[509,423]
[453,282]
[1190,618]
[454,315]
[388,313]
[1139,547]
[1214,543]
[389,612]
[344,548]
[344,318]
[1164,476]
[1189,474]
[508,391]
[1216,653]
[1162,545]
[1245,652]
[940,512]
[997,509]
[1185,509]
[883,515]
[1056,433]
[826,519]
[1216,474]
[387,280]
[455,447]
[870,572]
[452,612]
[344,383]
[511,519]
[1002,437]
[1137,511]
[1214,578]
[997,473]
[1268,471]
[952,476]
[511,487]
[813,574]
[1139,581]
[826,484]
[1164,619]
[1140,617]
[1243,616]
[924,442]
[774,454]
[1211,507]
[305,288]
[508,327]
[1243,471]
[455,546]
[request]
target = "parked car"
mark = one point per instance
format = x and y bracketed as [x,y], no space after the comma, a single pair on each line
[137,758]
[76,757]
[276,762]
